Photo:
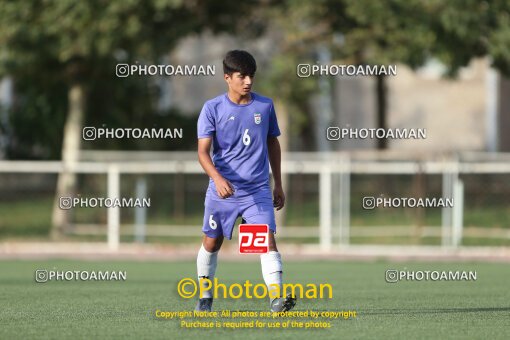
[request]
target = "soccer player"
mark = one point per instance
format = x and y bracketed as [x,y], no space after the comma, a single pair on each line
[242,128]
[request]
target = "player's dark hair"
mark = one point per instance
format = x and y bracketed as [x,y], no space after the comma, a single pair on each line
[239,61]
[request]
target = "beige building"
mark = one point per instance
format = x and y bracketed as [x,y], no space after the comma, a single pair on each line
[458,114]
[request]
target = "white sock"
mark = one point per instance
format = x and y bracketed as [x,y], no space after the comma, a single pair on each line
[272,272]
[206,267]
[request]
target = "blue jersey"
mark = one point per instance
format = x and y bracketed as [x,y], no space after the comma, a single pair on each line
[239,135]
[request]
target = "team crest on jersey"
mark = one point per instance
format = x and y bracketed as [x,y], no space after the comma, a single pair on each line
[258,118]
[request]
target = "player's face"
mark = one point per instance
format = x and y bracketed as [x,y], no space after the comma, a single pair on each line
[240,83]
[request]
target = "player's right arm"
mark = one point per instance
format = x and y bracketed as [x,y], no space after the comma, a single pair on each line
[223,187]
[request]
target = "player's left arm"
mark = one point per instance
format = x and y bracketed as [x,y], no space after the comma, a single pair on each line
[275,159]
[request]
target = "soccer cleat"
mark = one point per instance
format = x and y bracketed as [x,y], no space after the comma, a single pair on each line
[283,305]
[204,304]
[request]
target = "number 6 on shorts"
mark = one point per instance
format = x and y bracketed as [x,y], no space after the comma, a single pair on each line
[212,223]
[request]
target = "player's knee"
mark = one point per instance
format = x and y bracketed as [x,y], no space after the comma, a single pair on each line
[212,244]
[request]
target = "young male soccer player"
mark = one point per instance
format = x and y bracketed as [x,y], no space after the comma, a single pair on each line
[242,128]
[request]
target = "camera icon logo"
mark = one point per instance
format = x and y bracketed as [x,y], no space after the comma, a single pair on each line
[89,133]
[65,203]
[333,133]
[122,70]
[368,203]
[41,276]
[304,70]
[391,276]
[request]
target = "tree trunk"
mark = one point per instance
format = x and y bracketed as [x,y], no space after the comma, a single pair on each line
[66,183]
[381,108]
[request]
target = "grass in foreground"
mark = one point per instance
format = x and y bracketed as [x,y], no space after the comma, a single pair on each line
[54,310]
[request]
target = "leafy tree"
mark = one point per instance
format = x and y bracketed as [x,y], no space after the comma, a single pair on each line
[397,31]
[73,47]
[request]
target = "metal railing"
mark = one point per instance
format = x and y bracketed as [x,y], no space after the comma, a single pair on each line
[325,165]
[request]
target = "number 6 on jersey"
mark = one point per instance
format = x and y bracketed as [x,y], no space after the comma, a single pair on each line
[246,138]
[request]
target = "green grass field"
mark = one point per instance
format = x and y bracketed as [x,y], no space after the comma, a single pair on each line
[466,309]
